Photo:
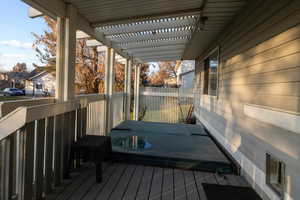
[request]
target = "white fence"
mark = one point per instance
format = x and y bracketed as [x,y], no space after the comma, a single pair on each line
[165,104]
[96,114]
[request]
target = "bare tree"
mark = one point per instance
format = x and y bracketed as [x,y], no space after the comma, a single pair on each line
[20,67]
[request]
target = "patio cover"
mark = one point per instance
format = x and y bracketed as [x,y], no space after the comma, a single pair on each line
[154,30]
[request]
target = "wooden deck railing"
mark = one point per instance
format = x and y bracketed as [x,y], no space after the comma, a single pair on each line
[9,106]
[35,146]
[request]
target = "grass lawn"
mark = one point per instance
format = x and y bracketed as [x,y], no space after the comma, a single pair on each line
[8,98]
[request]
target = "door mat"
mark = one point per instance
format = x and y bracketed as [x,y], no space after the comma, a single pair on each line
[227,192]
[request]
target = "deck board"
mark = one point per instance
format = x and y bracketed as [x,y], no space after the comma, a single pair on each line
[68,191]
[168,185]
[129,182]
[111,184]
[179,186]
[156,186]
[144,189]
[200,177]
[134,183]
[190,185]
[97,187]
[122,185]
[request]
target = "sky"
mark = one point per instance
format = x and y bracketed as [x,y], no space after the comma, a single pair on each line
[15,34]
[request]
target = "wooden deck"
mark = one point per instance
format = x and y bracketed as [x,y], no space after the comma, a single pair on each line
[138,182]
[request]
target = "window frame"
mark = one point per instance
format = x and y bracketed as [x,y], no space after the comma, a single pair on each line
[278,191]
[205,88]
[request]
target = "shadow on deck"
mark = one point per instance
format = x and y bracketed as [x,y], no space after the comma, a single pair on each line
[128,182]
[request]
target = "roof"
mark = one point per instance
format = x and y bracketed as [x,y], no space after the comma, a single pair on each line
[159,30]
[18,75]
[187,72]
[38,74]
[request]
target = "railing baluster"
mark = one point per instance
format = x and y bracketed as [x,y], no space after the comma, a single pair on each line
[12,166]
[66,145]
[29,161]
[79,121]
[39,158]
[49,155]
[57,150]
[72,135]
[20,164]
[5,152]
[84,119]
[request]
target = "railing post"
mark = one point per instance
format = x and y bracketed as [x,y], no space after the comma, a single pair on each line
[136,92]
[128,69]
[70,51]
[109,87]
[60,59]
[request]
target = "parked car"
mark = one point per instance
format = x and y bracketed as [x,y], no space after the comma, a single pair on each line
[13,92]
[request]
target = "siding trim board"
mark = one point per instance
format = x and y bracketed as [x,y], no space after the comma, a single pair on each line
[249,169]
[286,120]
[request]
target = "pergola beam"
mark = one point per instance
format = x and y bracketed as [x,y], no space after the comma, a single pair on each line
[149,28]
[154,45]
[156,49]
[151,36]
[161,58]
[58,8]
[160,53]
[194,11]
[53,8]
[160,42]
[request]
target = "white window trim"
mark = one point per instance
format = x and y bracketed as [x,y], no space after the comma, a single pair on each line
[218,69]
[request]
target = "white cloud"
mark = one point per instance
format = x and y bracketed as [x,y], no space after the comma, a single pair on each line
[16,43]
[7,61]
[17,56]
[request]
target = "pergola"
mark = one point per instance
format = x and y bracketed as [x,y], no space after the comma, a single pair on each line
[139,31]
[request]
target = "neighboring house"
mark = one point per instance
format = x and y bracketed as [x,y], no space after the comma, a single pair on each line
[40,84]
[17,79]
[186,79]
[170,82]
[186,74]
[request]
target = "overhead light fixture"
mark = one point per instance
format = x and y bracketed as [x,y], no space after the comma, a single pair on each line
[201,23]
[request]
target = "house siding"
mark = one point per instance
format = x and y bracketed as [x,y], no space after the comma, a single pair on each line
[259,68]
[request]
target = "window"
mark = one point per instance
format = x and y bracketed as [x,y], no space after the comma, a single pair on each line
[275,174]
[211,74]
[39,86]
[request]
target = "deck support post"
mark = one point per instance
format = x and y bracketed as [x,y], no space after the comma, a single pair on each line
[128,69]
[60,51]
[109,88]
[136,92]
[70,53]
[65,55]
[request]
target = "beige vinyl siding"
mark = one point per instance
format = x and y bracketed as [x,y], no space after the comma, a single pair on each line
[260,65]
